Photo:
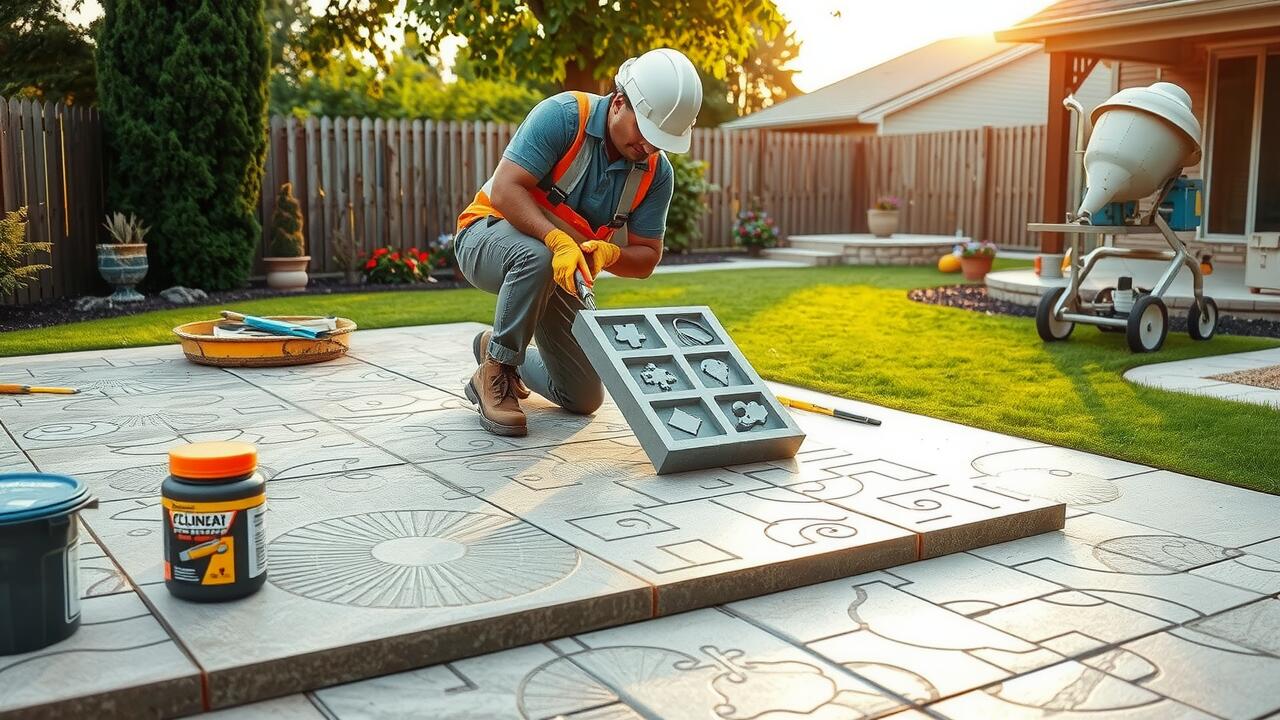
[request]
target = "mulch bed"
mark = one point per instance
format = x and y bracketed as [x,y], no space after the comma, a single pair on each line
[58,312]
[975,298]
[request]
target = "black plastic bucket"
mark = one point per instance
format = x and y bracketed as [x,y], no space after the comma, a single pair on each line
[39,561]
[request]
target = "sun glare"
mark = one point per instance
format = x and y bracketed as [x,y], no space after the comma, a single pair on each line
[839,39]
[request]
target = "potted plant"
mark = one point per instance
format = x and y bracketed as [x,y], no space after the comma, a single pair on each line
[976,257]
[15,250]
[123,261]
[755,230]
[883,218]
[287,263]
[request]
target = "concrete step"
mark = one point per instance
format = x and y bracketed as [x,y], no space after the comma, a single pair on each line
[834,245]
[807,257]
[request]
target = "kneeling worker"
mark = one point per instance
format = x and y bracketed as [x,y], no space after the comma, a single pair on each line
[580,188]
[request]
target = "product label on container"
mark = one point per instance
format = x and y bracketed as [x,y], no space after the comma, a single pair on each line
[201,540]
[257,533]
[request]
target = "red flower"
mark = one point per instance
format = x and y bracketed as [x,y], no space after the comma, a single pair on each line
[413,264]
[380,252]
[395,256]
[371,264]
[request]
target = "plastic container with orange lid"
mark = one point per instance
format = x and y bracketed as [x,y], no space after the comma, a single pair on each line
[215,504]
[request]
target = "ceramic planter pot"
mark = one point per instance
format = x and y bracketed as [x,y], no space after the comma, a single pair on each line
[123,265]
[287,273]
[882,223]
[976,268]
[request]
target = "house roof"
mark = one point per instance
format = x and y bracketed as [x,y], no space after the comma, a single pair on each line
[1074,16]
[891,85]
[1079,9]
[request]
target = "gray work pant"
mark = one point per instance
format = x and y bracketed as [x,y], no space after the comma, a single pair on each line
[497,258]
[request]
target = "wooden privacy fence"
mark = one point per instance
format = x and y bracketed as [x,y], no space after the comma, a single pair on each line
[403,182]
[986,182]
[51,162]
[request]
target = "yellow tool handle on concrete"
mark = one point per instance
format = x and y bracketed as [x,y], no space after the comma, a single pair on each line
[14,389]
[833,412]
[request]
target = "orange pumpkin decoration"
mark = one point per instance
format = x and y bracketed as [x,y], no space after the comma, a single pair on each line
[948,264]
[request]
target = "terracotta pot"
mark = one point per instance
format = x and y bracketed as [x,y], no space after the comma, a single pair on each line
[123,265]
[287,273]
[976,268]
[882,223]
[754,251]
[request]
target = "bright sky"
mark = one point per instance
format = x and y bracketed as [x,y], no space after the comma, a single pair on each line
[840,38]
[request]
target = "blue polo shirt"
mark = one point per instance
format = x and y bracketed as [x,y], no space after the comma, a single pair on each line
[547,134]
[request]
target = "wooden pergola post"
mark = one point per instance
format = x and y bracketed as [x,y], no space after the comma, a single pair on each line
[1057,146]
[1067,72]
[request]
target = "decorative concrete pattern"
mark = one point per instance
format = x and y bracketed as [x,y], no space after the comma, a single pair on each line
[404,544]
[1198,377]
[120,662]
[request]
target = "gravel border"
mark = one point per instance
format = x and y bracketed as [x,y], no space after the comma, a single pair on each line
[975,298]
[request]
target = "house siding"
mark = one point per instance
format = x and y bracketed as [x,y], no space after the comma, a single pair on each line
[1008,96]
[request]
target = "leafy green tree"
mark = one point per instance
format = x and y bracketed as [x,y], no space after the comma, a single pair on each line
[575,44]
[43,55]
[183,90]
[409,88]
[757,82]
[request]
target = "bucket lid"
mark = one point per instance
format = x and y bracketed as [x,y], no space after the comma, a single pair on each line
[32,496]
[213,460]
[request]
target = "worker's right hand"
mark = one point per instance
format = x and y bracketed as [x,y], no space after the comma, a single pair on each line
[566,259]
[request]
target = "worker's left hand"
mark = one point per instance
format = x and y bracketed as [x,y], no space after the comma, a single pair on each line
[600,255]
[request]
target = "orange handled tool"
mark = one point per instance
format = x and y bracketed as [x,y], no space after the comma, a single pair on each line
[14,389]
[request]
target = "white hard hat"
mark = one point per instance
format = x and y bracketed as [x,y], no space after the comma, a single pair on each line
[666,94]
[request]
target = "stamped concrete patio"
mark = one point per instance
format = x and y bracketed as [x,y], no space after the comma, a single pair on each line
[405,540]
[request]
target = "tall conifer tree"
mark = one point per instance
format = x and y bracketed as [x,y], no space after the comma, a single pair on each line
[183,92]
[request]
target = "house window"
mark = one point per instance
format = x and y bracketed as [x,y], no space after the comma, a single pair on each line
[1243,163]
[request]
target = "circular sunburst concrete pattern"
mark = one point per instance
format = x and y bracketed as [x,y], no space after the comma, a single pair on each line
[417,559]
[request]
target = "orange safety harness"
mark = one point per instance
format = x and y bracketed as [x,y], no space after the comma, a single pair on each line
[553,190]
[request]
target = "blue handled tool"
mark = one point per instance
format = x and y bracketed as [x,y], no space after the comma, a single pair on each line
[275,327]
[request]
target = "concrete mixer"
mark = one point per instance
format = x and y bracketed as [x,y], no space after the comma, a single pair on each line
[1140,141]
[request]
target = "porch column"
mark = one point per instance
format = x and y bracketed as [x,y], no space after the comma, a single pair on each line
[1057,146]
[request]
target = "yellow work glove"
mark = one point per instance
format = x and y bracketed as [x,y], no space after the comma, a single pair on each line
[566,259]
[600,255]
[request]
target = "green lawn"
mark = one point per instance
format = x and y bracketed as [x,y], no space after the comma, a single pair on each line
[852,332]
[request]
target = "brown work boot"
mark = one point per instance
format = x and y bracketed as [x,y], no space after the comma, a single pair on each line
[492,388]
[480,348]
